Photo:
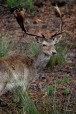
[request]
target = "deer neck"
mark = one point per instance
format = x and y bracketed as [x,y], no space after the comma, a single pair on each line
[40,61]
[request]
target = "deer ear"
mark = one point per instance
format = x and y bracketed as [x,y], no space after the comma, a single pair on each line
[57,39]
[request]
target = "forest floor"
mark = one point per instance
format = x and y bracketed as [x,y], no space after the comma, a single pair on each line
[46,22]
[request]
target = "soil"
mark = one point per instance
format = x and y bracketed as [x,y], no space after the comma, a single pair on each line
[44,21]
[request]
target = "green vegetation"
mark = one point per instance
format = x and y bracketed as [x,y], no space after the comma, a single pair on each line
[50,90]
[64,80]
[65,92]
[5,46]
[22,99]
[27,4]
[51,103]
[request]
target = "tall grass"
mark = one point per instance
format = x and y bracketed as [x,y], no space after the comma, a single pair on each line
[5,46]
[23,100]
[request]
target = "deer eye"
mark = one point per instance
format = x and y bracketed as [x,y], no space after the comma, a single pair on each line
[44,45]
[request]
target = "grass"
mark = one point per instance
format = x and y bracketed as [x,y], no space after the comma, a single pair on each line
[50,90]
[53,101]
[64,80]
[29,5]
[49,104]
[23,100]
[5,46]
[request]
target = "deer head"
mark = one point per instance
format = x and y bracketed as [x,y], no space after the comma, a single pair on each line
[47,49]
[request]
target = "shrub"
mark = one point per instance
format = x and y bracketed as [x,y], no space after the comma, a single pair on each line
[27,4]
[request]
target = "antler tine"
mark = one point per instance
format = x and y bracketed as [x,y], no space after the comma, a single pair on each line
[43,36]
[61,23]
[56,34]
[59,12]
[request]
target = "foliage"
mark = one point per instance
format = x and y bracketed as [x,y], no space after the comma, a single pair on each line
[50,90]
[5,46]
[51,103]
[64,80]
[24,101]
[66,92]
[27,4]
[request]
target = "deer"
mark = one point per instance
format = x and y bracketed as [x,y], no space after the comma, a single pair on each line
[20,70]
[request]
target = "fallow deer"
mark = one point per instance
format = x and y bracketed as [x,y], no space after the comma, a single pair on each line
[19,70]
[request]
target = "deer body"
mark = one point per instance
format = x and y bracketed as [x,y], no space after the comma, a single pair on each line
[15,70]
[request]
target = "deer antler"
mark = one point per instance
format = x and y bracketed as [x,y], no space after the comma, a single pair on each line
[61,23]
[19,15]
[59,12]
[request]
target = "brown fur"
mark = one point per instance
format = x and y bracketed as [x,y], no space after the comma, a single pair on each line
[15,68]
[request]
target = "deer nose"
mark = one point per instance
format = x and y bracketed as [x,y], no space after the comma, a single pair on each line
[53,53]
